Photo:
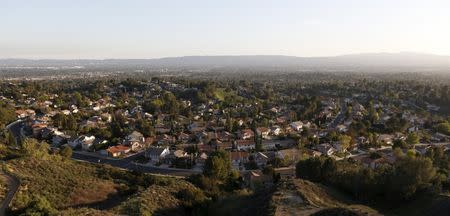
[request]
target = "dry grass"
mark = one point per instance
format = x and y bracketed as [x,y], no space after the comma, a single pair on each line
[96,192]
[64,183]
[158,199]
[84,212]
[3,188]
[301,197]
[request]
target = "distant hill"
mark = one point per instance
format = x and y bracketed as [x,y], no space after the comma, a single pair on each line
[368,60]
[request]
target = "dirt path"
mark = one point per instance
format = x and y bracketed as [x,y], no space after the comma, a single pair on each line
[13,185]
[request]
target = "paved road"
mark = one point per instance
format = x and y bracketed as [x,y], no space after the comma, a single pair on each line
[127,163]
[15,129]
[340,117]
[13,186]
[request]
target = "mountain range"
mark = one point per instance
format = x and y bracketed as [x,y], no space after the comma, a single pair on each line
[366,60]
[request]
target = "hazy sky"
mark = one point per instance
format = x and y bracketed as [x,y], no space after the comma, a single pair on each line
[149,29]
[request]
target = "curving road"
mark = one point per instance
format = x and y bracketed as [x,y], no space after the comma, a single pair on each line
[13,186]
[127,163]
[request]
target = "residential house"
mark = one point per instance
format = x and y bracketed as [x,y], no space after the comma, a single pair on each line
[25,113]
[161,129]
[238,159]
[118,150]
[342,128]
[312,153]
[178,154]
[246,134]
[326,149]
[291,155]
[422,149]
[385,139]
[165,140]
[261,159]
[201,159]
[156,154]
[245,145]
[184,137]
[256,179]
[371,162]
[197,127]
[275,130]
[86,140]
[37,128]
[58,140]
[135,140]
[223,145]
[263,132]
[297,126]
[97,142]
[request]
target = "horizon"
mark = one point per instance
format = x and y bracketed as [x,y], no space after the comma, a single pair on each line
[99,29]
[238,55]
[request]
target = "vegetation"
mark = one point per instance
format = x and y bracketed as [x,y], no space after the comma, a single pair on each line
[50,183]
[168,197]
[298,195]
[218,165]
[381,105]
[408,177]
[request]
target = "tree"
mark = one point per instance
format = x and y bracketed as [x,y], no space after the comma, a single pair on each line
[411,174]
[218,165]
[412,139]
[7,114]
[33,148]
[170,104]
[66,152]
[258,143]
[71,123]
[345,141]
[399,143]
[443,128]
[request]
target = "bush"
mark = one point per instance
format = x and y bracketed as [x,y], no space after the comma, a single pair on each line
[66,152]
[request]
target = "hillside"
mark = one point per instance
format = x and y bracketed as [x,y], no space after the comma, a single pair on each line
[69,187]
[167,197]
[302,197]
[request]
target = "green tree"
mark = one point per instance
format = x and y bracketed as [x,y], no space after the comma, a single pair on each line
[443,128]
[411,174]
[7,114]
[412,138]
[399,143]
[218,165]
[33,148]
[345,141]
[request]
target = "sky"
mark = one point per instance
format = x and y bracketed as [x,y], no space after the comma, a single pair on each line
[88,29]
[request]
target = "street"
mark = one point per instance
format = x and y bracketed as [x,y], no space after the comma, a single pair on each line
[127,163]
